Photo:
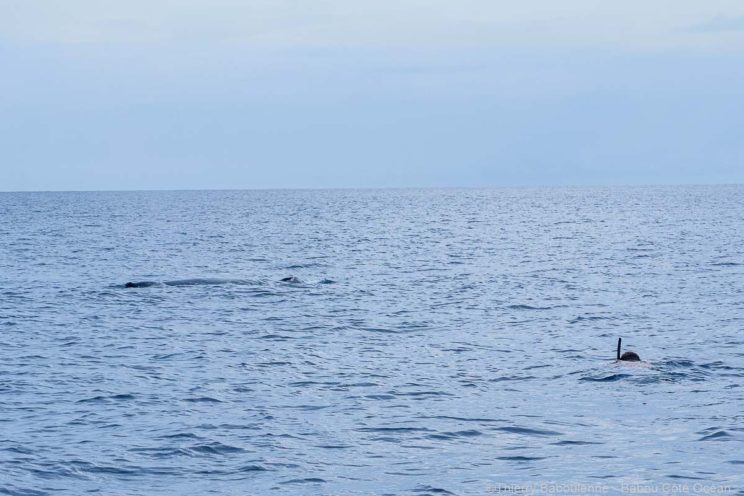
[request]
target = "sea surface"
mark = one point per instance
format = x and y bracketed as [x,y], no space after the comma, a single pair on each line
[426,342]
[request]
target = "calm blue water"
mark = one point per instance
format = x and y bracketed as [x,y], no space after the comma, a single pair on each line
[434,340]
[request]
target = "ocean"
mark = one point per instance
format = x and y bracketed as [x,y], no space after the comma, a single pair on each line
[365,342]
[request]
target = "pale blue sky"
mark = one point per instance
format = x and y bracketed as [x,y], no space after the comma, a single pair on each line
[173,94]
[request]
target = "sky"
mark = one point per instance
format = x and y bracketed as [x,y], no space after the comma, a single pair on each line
[244,94]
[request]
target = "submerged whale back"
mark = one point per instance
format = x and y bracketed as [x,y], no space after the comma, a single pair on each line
[214,281]
[187,282]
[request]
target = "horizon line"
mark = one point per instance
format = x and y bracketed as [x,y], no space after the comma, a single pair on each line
[352,188]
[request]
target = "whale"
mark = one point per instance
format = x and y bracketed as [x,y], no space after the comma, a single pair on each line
[187,282]
[211,281]
[628,356]
[140,284]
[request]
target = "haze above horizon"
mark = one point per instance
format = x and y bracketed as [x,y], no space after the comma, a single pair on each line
[198,94]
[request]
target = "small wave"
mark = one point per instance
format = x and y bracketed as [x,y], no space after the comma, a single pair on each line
[573,443]
[84,467]
[252,468]
[678,363]
[309,480]
[717,436]
[388,430]
[417,394]
[537,367]
[203,399]
[105,469]
[308,265]
[380,330]
[313,383]
[588,318]
[207,282]
[528,307]
[180,435]
[430,490]
[214,448]
[521,458]
[165,356]
[379,396]
[275,337]
[103,399]
[11,491]
[609,378]
[694,372]
[528,432]
[686,477]
[718,365]
[512,378]
[19,450]
[122,397]
[308,408]
[455,434]
[160,453]
[465,419]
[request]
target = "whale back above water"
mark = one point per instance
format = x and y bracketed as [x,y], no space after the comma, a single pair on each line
[187,282]
[140,284]
[212,281]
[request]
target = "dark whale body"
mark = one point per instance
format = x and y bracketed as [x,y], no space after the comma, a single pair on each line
[141,284]
[210,281]
[184,282]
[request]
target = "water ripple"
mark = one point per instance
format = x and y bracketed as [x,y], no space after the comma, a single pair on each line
[369,342]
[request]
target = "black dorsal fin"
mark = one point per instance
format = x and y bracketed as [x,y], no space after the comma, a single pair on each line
[619,343]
